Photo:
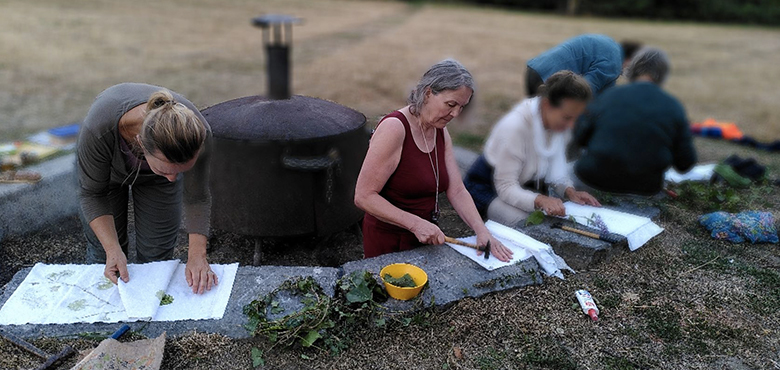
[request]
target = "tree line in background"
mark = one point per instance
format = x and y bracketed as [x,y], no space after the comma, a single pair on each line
[765,12]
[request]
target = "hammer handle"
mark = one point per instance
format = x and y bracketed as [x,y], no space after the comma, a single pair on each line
[582,232]
[24,344]
[458,242]
[65,353]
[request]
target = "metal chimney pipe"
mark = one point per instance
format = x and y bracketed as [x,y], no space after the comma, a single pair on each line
[277,37]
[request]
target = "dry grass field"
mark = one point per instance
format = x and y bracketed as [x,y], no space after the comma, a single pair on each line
[56,56]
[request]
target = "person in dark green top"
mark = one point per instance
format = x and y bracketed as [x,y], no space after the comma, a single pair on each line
[632,134]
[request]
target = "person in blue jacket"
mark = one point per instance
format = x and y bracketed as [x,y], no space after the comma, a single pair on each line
[597,58]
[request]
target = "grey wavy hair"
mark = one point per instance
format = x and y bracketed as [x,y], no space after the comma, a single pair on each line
[649,61]
[448,74]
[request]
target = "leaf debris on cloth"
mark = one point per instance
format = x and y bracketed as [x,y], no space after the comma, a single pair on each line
[165,299]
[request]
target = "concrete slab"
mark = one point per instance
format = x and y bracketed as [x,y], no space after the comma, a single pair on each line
[29,207]
[251,282]
[451,276]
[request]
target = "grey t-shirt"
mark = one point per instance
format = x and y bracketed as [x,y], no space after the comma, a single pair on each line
[101,164]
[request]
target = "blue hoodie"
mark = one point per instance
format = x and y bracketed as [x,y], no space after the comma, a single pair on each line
[598,58]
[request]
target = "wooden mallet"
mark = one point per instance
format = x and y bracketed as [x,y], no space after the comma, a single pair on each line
[485,249]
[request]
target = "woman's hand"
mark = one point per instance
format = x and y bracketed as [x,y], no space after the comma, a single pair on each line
[199,275]
[116,263]
[581,197]
[427,233]
[497,249]
[551,206]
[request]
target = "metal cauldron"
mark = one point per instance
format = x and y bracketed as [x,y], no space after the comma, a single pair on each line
[285,167]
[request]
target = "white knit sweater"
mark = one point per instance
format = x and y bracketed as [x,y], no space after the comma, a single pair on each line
[516,150]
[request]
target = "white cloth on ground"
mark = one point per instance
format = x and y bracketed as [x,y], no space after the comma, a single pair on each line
[638,230]
[702,172]
[523,247]
[63,294]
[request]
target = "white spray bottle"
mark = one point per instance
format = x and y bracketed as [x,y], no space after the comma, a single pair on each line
[587,304]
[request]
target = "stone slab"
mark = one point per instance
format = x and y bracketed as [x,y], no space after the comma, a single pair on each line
[580,252]
[29,207]
[637,205]
[451,276]
[251,282]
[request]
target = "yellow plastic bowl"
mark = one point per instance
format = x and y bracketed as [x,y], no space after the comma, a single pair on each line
[397,270]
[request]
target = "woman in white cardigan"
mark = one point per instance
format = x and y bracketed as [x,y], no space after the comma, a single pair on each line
[526,153]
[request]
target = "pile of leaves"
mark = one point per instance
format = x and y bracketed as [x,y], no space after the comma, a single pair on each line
[324,323]
[405,281]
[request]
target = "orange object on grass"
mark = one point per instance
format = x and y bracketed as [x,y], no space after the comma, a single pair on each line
[729,130]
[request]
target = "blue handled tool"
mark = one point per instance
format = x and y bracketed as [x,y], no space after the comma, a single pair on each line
[120,332]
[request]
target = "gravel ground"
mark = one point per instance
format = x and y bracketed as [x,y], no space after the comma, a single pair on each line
[683,301]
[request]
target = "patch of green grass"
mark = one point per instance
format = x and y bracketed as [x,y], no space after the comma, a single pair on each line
[697,346]
[469,141]
[717,257]
[546,352]
[664,322]
[490,359]
[647,293]
[633,332]
[766,298]
[704,254]
[618,363]
[610,301]
[602,283]
[424,318]
[728,258]
[703,330]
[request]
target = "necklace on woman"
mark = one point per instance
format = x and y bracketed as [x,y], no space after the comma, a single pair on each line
[435,213]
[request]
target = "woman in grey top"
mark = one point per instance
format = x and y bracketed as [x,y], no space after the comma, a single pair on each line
[142,138]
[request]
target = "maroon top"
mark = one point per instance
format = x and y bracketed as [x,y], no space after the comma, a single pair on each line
[412,188]
[131,160]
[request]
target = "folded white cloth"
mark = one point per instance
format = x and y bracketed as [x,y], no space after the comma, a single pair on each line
[638,230]
[523,246]
[187,305]
[142,294]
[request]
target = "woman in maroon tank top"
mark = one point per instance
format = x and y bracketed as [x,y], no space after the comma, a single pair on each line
[410,161]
